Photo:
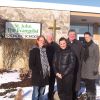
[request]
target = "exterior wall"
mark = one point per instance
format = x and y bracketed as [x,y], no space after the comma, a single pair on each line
[14,53]
[1,58]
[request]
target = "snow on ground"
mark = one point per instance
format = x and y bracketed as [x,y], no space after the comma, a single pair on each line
[27,91]
[9,77]
[98,92]
[14,77]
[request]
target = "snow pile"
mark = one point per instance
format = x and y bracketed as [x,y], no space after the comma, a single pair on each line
[9,77]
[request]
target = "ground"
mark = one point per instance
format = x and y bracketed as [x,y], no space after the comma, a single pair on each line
[9,91]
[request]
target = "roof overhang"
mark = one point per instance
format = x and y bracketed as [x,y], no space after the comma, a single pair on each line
[55,6]
[79,13]
[84,18]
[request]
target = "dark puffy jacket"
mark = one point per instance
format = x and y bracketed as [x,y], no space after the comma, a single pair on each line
[64,62]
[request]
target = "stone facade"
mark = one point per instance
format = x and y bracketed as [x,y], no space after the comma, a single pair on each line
[45,16]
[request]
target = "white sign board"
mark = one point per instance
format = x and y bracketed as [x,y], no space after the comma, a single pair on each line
[22,30]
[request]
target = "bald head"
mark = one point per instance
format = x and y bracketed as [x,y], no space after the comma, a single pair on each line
[49,38]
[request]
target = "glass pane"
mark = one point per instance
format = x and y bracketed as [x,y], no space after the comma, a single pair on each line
[81,29]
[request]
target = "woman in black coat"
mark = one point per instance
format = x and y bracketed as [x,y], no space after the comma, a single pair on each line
[39,65]
[64,64]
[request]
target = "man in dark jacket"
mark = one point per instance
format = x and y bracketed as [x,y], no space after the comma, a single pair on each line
[51,48]
[90,66]
[77,48]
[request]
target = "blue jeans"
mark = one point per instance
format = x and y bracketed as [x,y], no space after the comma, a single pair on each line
[38,93]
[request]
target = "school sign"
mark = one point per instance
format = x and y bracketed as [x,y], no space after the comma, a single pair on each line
[24,30]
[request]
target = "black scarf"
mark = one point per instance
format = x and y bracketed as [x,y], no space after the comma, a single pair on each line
[86,53]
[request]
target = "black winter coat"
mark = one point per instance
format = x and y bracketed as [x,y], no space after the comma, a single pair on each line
[64,62]
[78,50]
[36,67]
[51,49]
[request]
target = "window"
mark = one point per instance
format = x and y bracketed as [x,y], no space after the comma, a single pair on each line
[82,28]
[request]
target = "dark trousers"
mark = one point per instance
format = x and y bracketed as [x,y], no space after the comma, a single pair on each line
[51,85]
[64,87]
[90,88]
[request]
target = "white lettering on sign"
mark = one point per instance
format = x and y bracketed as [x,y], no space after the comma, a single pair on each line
[22,30]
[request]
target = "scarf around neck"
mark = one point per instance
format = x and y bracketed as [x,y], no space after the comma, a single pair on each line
[86,53]
[44,62]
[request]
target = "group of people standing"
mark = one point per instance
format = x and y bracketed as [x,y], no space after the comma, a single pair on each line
[68,62]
